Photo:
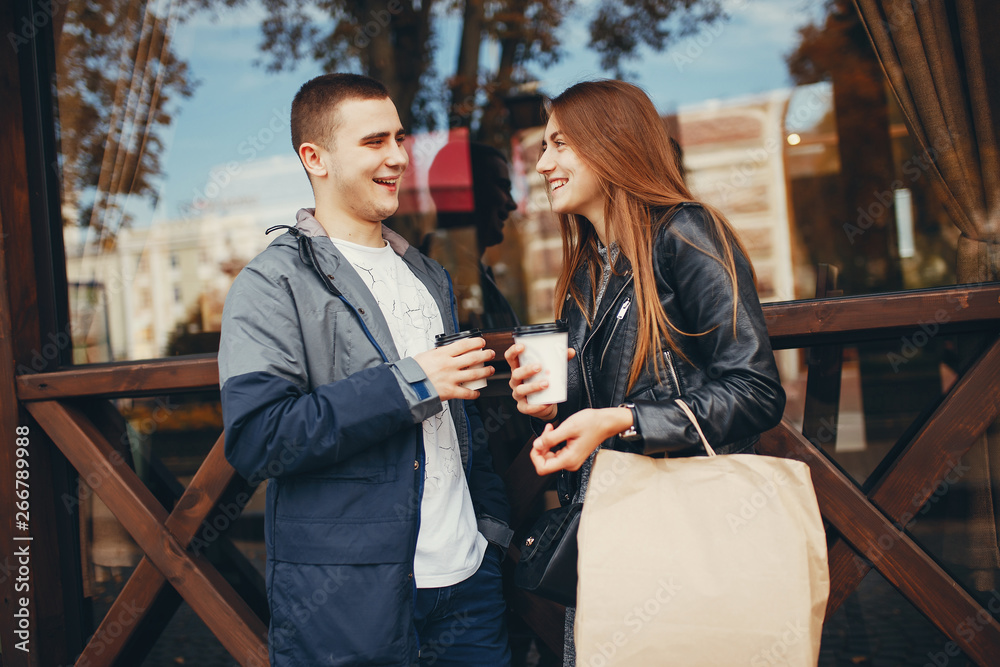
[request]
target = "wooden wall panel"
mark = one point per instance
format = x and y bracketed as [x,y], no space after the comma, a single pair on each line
[56,593]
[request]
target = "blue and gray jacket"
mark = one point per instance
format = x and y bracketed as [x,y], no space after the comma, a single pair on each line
[316,400]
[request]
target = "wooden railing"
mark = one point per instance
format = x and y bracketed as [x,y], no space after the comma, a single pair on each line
[863,522]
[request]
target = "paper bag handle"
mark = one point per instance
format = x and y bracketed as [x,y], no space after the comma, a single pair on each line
[697,426]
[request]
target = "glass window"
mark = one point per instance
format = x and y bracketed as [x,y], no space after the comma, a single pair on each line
[173,139]
[172,124]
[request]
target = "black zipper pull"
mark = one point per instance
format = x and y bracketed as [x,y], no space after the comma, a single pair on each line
[294,231]
[308,256]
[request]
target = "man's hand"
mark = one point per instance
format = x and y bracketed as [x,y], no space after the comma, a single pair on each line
[520,389]
[583,432]
[448,366]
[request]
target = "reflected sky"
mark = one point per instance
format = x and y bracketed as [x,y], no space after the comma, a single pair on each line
[223,135]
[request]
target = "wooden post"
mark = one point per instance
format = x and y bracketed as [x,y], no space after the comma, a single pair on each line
[51,588]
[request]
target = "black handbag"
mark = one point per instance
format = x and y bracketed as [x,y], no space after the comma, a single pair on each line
[548,555]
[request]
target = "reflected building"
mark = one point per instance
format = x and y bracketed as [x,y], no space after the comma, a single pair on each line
[734,160]
[158,290]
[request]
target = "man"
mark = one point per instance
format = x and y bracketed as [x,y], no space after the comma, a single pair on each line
[493,203]
[385,523]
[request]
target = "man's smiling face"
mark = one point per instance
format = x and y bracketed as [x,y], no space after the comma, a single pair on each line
[367,160]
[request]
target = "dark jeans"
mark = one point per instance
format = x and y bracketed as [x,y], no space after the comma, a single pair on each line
[464,624]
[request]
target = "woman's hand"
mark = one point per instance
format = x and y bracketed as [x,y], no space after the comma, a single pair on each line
[583,432]
[448,366]
[520,389]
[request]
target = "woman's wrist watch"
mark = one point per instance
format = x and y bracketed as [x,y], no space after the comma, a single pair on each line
[631,434]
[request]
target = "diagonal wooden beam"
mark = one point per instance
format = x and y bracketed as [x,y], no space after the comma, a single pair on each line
[200,584]
[146,595]
[904,564]
[930,459]
[968,410]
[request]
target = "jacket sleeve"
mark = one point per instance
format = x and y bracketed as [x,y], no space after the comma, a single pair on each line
[742,394]
[488,492]
[275,425]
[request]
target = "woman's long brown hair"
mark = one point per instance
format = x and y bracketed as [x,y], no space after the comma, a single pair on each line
[614,128]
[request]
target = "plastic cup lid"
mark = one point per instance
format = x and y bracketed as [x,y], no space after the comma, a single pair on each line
[549,327]
[444,338]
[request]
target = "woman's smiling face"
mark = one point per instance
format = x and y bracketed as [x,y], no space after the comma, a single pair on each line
[573,186]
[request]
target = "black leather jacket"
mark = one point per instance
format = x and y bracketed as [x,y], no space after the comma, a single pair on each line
[731,384]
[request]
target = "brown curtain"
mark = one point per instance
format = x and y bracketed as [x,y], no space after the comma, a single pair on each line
[942,61]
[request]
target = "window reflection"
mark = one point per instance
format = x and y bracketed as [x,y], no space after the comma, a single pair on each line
[174,159]
[471,188]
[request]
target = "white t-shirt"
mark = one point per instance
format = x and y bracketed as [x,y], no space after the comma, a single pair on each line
[449,546]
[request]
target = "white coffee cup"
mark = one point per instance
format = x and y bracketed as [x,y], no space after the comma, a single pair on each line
[445,339]
[545,344]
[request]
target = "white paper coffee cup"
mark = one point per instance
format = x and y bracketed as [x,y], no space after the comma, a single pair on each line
[545,344]
[445,339]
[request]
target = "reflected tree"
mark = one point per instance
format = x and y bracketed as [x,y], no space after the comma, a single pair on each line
[117,77]
[119,80]
[839,51]
[395,41]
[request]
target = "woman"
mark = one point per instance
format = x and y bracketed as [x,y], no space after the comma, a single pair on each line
[658,293]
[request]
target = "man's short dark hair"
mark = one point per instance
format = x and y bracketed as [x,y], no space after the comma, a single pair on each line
[481,153]
[314,117]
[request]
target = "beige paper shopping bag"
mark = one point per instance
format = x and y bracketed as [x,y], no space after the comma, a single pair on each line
[713,561]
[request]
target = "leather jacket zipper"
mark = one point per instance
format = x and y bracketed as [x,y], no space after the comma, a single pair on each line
[618,320]
[597,325]
[584,368]
[673,372]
